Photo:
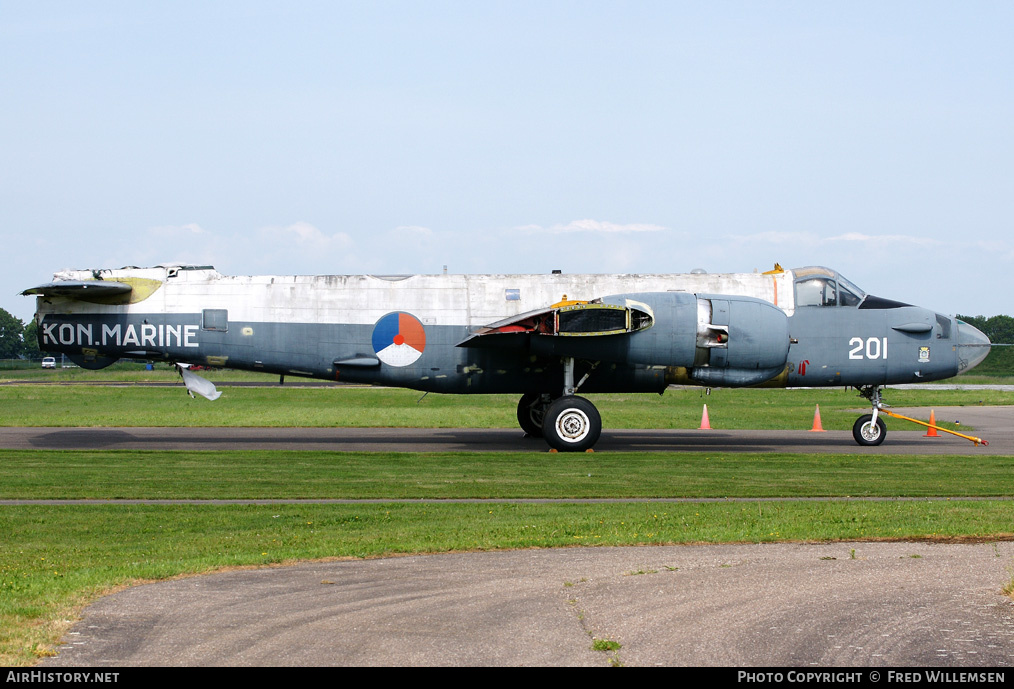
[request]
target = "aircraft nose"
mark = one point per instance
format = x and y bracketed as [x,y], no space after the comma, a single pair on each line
[973,346]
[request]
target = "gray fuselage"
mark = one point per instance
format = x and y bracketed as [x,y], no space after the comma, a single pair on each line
[808,327]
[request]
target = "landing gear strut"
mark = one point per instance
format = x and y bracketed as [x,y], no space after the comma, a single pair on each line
[568,423]
[869,429]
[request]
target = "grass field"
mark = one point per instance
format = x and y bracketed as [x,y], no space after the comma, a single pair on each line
[85,405]
[267,474]
[54,559]
[121,371]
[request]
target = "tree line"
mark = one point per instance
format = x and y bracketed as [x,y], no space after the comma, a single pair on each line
[17,339]
[999,329]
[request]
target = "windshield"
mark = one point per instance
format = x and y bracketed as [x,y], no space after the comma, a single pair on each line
[825,287]
[849,294]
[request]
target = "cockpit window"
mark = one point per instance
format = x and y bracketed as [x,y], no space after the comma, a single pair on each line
[850,294]
[819,291]
[846,297]
[818,286]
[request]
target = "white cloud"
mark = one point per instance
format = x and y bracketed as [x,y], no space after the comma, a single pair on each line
[596,226]
[176,232]
[776,237]
[296,247]
[997,249]
[893,238]
[166,245]
[414,230]
[306,235]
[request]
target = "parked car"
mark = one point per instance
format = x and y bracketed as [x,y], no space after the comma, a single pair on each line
[49,362]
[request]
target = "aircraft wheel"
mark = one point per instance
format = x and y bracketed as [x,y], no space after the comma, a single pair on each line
[531,413]
[866,433]
[572,424]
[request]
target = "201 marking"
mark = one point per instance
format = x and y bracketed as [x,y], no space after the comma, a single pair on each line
[870,348]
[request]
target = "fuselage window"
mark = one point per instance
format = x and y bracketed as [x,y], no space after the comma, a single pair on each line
[216,319]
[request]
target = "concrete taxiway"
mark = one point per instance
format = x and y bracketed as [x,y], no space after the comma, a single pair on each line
[836,604]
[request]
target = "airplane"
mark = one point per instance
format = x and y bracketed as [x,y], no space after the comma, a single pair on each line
[545,337]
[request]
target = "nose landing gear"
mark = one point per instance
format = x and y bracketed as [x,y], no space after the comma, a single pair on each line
[869,429]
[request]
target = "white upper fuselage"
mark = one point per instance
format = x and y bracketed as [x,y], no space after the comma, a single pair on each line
[463,300]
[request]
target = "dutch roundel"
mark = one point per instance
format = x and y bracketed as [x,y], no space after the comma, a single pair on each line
[399,339]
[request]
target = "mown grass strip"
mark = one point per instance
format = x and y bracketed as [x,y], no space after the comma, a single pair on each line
[123,371]
[121,474]
[34,405]
[56,559]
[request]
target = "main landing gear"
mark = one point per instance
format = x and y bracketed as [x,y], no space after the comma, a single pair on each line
[532,412]
[572,424]
[568,423]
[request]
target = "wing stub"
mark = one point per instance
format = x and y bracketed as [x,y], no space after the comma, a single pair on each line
[567,319]
[128,290]
[80,289]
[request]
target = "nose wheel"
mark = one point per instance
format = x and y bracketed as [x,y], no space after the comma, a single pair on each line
[869,431]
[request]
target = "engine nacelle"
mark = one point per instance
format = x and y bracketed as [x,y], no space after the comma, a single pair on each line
[711,339]
[718,339]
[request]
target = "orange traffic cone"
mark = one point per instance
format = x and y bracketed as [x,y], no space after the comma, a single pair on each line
[705,423]
[817,428]
[932,432]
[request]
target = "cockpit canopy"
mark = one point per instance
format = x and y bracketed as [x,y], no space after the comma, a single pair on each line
[818,286]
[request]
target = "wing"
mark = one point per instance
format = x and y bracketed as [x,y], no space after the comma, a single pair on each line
[80,289]
[599,318]
[127,291]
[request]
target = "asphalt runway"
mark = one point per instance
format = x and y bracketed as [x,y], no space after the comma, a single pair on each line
[993,424]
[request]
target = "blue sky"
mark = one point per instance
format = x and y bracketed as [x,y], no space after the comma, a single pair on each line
[399,137]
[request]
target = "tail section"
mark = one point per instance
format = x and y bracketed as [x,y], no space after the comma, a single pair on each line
[67,312]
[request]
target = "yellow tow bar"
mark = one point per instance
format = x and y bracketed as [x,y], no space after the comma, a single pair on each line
[977,441]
